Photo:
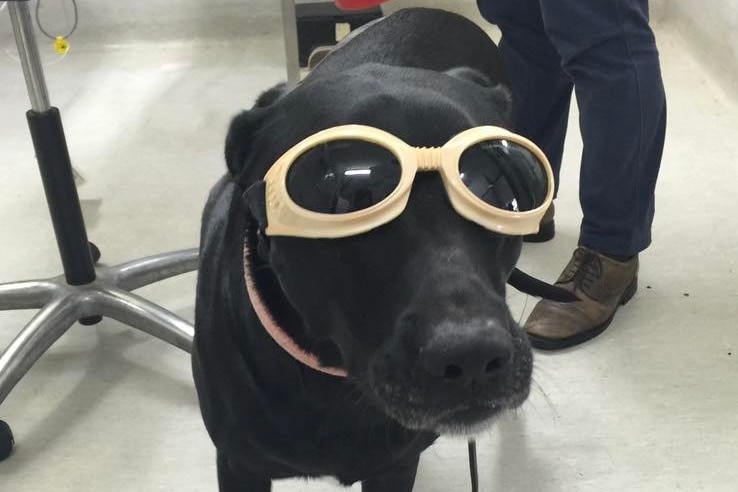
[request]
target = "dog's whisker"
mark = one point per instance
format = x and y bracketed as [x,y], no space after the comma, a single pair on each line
[513,413]
[546,398]
[525,306]
[549,375]
[534,407]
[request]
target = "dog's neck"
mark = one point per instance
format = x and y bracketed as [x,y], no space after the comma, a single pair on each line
[269,321]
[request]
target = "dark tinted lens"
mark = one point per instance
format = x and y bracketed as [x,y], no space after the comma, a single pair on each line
[504,174]
[343,176]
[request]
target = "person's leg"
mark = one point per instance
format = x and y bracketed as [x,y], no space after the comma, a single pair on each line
[609,51]
[541,89]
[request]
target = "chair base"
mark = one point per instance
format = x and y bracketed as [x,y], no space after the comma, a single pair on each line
[61,305]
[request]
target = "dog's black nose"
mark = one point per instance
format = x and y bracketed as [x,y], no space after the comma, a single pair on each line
[461,354]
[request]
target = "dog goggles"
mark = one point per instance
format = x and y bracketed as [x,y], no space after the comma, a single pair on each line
[350,179]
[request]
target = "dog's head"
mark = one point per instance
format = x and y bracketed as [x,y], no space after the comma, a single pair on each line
[415,309]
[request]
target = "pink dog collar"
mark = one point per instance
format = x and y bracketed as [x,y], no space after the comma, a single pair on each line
[277,332]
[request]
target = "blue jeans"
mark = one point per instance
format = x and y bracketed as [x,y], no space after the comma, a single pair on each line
[605,51]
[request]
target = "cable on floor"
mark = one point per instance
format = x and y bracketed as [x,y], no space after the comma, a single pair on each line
[61,43]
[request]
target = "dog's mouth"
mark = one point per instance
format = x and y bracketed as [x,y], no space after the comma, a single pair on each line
[467,417]
[454,411]
[474,420]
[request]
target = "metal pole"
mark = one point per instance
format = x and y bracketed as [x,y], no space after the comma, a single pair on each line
[52,155]
[25,39]
[291,49]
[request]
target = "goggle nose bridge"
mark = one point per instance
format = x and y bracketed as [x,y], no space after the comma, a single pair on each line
[429,158]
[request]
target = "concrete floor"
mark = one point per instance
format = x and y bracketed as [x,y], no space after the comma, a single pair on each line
[648,406]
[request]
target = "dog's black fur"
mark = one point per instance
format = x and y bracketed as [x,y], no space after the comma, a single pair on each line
[376,304]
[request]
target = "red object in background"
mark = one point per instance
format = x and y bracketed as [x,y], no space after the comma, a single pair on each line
[358,4]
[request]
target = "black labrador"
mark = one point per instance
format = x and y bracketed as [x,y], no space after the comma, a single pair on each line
[414,310]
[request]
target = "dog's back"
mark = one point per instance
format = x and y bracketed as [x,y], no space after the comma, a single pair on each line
[419,38]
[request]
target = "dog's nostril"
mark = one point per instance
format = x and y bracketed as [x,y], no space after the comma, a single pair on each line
[453,372]
[494,365]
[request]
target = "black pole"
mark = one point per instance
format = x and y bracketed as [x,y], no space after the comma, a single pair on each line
[52,155]
[61,195]
[473,466]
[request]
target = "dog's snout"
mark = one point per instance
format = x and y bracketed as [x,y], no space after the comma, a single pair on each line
[456,358]
[462,354]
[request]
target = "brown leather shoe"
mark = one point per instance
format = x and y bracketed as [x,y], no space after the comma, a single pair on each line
[601,284]
[547,229]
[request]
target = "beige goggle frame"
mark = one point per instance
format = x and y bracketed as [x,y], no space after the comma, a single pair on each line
[287,218]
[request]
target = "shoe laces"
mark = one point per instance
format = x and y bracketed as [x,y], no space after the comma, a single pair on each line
[586,274]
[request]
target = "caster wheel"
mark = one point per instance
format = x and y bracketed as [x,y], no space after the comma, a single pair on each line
[6,440]
[95,252]
[89,321]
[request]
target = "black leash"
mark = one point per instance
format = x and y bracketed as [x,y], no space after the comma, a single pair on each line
[537,288]
[473,468]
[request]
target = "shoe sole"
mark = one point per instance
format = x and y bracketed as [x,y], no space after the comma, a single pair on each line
[545,233]
[542,343]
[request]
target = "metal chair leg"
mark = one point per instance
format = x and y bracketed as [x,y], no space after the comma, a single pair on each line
[137,273]
[33,294]
[137,312]
[39,334]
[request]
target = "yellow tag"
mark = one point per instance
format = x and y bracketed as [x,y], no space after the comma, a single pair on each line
[61,45]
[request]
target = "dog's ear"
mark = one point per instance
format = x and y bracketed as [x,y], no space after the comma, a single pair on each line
[499,91]
[240,139]
[269,97]
[244,126]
